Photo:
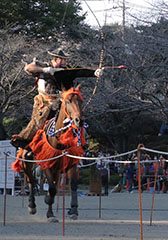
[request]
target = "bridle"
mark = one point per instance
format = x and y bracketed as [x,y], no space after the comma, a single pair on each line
[65,100]
[68,121]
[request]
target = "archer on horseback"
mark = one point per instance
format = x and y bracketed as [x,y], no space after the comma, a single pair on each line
[50,78]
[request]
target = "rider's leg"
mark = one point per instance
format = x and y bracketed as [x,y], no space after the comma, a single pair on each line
[39,117]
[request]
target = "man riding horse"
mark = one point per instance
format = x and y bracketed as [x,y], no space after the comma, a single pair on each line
[50,78]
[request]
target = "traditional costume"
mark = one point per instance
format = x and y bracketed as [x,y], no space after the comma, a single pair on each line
[47,102]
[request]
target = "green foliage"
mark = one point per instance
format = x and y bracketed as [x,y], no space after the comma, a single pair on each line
[12,126]
[114,179]
[84,176]
[39,17]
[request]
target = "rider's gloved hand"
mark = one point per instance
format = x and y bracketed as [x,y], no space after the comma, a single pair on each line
[52,70]
[99,72]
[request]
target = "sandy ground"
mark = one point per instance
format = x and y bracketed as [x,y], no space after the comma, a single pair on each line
[119,218]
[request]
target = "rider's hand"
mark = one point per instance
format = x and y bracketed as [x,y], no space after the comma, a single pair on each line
[99,72]
[51,70]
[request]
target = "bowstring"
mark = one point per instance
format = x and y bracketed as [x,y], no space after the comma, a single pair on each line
[64,15]
[101,55]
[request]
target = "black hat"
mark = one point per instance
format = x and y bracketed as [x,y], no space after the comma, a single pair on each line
[58,53]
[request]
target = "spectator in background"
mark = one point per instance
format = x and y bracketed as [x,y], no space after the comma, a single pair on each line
[101,166]
[162,173]
[163,129]
[165,173]
[130,172]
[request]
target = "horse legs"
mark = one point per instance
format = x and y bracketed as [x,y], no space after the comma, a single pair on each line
[49,198]
[72,175]
[27,167]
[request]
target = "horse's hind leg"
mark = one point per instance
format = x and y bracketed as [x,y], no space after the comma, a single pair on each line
[27,167]
[49,198]
[72,175]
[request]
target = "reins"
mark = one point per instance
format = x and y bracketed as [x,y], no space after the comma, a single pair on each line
[52,132]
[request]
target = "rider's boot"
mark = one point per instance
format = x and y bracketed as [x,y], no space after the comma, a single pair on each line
[18,141]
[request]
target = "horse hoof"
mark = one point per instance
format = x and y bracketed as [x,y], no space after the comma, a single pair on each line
[73,216]
[73,213]
[52,220]
[32,211]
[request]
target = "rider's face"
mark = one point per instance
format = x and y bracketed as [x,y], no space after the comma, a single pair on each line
[59,62]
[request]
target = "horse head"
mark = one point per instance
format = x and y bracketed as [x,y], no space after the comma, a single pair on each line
[72,101]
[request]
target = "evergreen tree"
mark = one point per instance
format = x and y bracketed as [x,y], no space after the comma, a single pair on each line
[40,17]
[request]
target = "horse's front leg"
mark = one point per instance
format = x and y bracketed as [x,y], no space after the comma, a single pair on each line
[72,176]
[27,167]
[49,198]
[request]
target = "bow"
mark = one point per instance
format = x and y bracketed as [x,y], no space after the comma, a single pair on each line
[101,54]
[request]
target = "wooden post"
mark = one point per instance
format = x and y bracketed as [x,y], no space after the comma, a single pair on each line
[58,189]
[4,218]
[100,198]
[153,198]
[23,189]
[139,187]
[95,181]
[63,216]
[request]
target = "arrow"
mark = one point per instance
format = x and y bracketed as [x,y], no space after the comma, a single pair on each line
[104,67]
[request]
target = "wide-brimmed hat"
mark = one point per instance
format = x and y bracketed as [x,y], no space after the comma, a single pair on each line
[58,53]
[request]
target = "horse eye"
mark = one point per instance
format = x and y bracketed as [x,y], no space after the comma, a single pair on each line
[68,101]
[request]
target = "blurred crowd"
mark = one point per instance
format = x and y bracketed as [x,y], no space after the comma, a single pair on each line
[149,167]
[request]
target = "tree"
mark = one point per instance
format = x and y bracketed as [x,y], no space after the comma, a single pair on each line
[139,91]
[13,86]
[125,98]
[39,18]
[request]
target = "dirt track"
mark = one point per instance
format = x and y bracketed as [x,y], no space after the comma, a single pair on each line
[119,218]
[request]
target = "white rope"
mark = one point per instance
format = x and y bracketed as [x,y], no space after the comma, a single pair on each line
[122,154]
[86,165]
[99,158]
[31,160]
[154,151]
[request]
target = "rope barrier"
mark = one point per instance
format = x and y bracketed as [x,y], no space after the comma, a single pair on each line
[73,156]
[108,159]
[31,160]
[105,159]
[86,165]
[101,158]
[154,151]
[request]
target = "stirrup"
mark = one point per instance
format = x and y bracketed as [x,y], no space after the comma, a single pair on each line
[29,155]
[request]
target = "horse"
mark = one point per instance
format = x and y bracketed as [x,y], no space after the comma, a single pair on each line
[64,134]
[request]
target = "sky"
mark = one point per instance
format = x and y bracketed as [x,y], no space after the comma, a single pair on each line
[110,11]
